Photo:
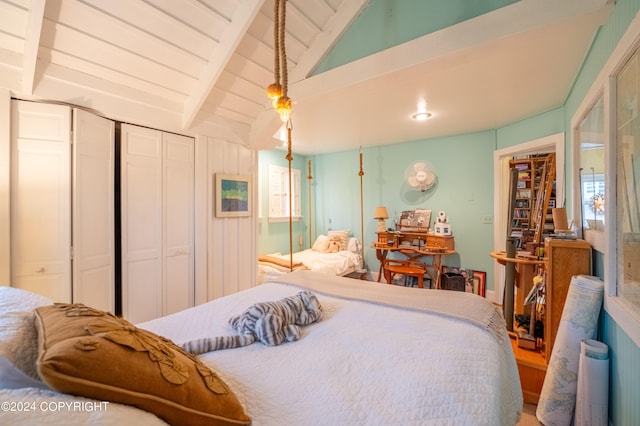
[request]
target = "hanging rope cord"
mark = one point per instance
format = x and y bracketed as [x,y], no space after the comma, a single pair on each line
[282,50]
[289,159]
[309,177]
[361,173]
[281,81]
[276,42]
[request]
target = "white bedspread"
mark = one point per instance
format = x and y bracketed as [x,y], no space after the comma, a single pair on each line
[340,263]
[363,363]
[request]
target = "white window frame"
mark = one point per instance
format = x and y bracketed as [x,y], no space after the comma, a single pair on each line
[279,194]
[626,316]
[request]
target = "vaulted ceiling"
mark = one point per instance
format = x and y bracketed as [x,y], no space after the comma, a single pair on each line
[202,66]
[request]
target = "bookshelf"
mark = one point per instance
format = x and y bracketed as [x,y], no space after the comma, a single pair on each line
[531,190]
[522,204]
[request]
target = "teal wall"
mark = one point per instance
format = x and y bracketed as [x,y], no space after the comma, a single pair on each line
[274,237]
[464,166]
[465,189]
[403,21]
[536,127]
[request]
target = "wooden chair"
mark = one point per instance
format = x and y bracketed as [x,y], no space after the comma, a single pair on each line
[407,267]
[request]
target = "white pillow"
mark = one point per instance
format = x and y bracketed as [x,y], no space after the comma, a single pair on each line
[18,335]
[344,237]
[321,244]
[354,245]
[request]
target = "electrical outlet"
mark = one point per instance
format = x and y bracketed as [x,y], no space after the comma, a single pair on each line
[487,219]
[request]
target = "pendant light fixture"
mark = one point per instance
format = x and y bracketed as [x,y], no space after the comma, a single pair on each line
[277,91]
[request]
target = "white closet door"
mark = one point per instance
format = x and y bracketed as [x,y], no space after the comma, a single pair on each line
[178,220]
[141,209]
[93,215]
[41,199]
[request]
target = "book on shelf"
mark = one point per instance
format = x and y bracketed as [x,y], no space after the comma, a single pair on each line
[523,193]
[524,175]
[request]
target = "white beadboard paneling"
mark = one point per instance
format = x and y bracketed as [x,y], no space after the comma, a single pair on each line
[203,213]
[124,36]
[231,241]
[124,103]
[153,21]
[181,66]
[225,8]
[196,15]
[14,20]
[78,45]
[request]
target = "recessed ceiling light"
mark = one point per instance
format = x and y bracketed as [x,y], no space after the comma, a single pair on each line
[421,116]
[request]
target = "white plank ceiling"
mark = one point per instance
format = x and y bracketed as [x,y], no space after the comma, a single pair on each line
[202,66]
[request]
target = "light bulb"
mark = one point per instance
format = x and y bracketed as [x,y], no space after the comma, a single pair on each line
[274,92]
[283,108]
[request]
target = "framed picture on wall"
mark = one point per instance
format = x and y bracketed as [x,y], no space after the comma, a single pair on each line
[233,195]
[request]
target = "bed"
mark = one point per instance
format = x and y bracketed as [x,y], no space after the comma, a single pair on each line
[320,258]
[380,354]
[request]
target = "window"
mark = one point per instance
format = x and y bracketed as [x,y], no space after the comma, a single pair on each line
[279,193]
[618,86]
[627,125]
[592,180]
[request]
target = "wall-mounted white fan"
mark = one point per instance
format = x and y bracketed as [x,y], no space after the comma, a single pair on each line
[421,175]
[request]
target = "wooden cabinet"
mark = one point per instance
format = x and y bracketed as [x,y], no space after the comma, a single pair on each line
[564,259]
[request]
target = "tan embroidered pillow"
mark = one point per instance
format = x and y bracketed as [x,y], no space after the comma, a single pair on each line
[91,353]
[344,237]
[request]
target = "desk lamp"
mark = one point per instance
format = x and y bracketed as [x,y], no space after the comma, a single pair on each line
[381,214]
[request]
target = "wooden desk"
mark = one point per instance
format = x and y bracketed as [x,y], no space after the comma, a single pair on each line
[428,245]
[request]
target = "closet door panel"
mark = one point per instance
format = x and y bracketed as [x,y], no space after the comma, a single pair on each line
[93,211]
[178,184]
[141,192]
[41,199]
[142,293]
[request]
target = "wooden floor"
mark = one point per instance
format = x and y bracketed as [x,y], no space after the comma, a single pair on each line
[529,416]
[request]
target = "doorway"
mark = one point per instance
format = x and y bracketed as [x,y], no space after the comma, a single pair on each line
[501,157]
